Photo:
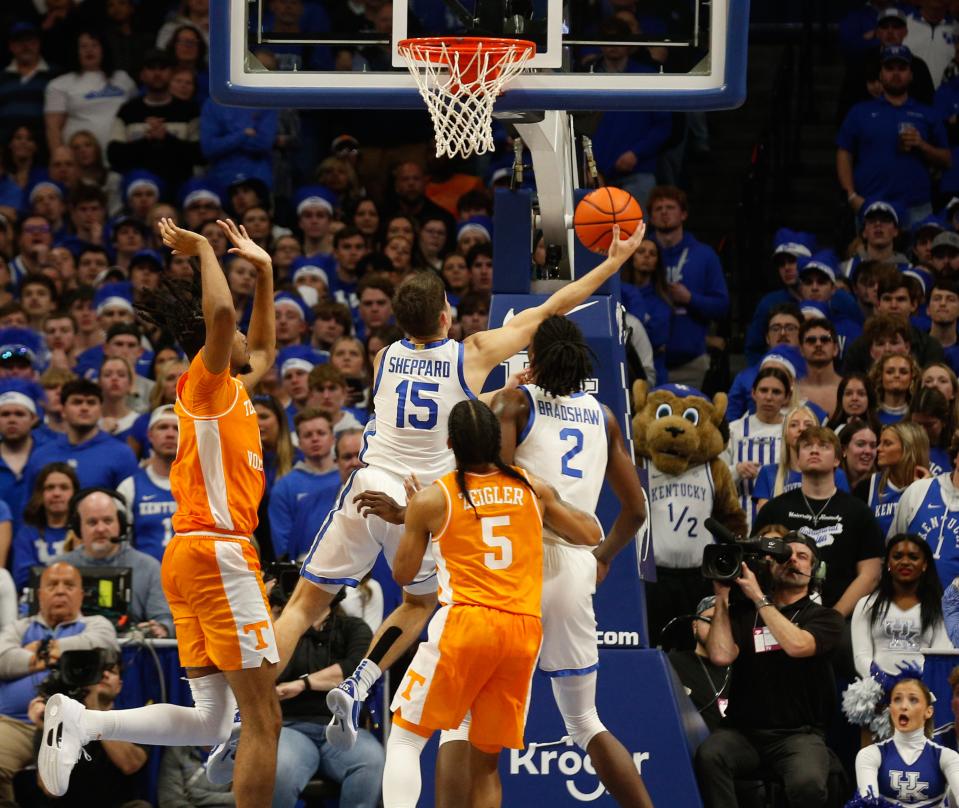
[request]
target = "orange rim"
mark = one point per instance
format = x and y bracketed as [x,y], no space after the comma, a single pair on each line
[436,48]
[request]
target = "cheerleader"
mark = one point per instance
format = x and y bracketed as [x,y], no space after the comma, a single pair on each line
[908,769]
[755,440]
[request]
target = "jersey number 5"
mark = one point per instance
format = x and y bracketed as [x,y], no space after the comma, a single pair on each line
[410,391]
[504,557]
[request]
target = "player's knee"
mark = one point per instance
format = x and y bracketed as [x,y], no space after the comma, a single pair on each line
[583,728]
[214,704]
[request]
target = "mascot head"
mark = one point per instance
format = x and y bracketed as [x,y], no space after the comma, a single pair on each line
[677,427]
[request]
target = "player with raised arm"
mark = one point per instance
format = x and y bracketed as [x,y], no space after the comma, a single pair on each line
[417,383]
[484,521]
[211,572]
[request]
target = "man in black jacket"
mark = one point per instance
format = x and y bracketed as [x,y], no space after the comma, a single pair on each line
[334,645]
[783,692]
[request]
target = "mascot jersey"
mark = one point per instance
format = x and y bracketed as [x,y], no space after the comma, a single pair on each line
[930,509]
[679,506]
[908,770]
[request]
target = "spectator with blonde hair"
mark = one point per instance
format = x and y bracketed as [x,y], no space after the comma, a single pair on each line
[896,378]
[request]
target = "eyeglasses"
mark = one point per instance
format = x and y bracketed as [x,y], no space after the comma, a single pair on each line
[37,228]
[823,339]
[788,328]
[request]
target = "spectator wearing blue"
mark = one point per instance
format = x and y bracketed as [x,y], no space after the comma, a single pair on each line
[349,248]
[47,198]
[887,146]
[329,392]
[923,233]
[817,284]
[293,319]
[21,353]
[785,320]
[59,626]
[313,509]
[35,242]
[97,520]
[944,251]
[314,205]
[312,272]
[141,191]
[788,247]
[23,81]
[879,222]
[100,459]
[150,503]
[43,532]
[645,297]
[295,363]
[861,73]
[200,201]
[237,141]
[315,473]
[857,29]
[472,231]
[696,285]
[943,310]
[19,414]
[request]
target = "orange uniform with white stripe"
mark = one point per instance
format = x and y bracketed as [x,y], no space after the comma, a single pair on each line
[484,640]
[211,571]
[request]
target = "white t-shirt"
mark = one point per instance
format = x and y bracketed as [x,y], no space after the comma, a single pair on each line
[90,101]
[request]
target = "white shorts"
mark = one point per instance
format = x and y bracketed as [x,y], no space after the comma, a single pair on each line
[347,544]
[569,623]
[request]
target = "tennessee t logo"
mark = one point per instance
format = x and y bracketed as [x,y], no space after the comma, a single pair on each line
[259,627]
[414,679]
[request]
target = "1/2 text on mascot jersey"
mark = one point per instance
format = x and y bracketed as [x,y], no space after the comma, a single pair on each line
[415,366]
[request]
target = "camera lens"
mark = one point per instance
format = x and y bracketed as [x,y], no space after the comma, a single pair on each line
[726,561]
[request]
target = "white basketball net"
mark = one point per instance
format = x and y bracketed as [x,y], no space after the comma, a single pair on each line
[460,88]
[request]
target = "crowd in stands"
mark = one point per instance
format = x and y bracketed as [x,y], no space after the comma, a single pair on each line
[842,426]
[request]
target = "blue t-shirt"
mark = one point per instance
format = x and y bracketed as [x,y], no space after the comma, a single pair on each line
[152,506]
[656,315]
[766,481]
[883,504]
[881,169]
[939,461]
[32,546]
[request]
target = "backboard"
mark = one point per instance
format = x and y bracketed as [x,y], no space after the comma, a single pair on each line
[315,54]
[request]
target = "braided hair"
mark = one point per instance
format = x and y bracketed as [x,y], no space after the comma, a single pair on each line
[175,307]
[475,439]
[561,359]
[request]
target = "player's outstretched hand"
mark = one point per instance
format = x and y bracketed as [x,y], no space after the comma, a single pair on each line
[376,503]
[244,246]
[182,242]
[621,249]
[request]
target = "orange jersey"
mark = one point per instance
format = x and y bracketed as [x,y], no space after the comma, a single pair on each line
[495,560]
[217,478]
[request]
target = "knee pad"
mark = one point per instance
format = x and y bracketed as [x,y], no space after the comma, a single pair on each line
[583,728]
[215,706]
[461,733]
[576,698]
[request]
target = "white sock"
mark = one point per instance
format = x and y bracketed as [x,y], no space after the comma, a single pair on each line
[402,781]
[366,674]
[206,724]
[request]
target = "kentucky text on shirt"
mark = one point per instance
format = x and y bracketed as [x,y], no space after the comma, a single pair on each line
[671,490]
[412,366]
[577,415]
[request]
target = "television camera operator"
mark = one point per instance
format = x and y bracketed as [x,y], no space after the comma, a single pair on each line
[29,649]
[110,769]
[779,644]
[329,649]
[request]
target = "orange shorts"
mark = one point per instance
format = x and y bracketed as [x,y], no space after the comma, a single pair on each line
[218,602]
[478,660]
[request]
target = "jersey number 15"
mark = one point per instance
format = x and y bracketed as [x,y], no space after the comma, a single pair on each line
[408,395]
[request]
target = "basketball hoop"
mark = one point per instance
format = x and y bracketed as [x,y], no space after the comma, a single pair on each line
[460,79]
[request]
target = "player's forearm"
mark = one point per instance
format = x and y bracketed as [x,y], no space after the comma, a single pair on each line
[261,335]
[217,299]
[575,292]
[623,531]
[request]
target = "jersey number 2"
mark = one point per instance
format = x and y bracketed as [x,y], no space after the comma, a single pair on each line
[407,390]
[504,557]
[577,436]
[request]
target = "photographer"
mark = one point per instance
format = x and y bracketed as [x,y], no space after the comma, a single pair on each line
[783,692]
[111,769]
[334,644]
[28,649]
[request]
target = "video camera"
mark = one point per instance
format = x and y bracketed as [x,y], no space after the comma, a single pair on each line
[286,574]
[75,671]
[723,561]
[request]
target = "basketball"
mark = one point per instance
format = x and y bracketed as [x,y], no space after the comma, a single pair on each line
[598,211]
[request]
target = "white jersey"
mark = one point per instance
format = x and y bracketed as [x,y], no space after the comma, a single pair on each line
[416,388]
[679,506]
[565,443]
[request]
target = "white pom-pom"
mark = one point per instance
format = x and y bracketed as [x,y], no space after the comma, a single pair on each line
[881,725]
[859,701]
